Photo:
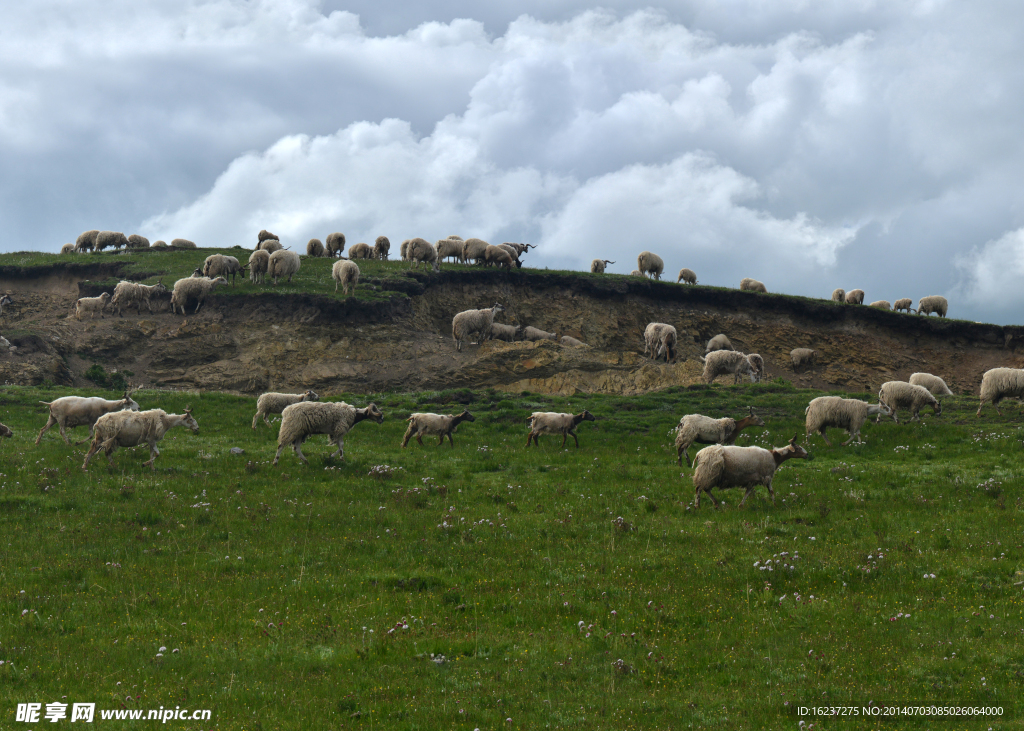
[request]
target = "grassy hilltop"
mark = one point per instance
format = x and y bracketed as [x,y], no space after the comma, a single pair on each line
[488,586]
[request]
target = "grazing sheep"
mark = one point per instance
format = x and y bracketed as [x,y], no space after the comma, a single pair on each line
[420,251]
[193,288]
[935,385]
[902,395]
[881,304]
[275,403]
[345,273]
[660,339]
[752,285]
[381,248]
[68,412]
[497,256]
[91,305]
[571,341]
[131,429]
[218,265]
[434,425]
[840,413]
[803,357]
[132,294]
[705,430]
[271,245]
[598,265]
[855,297]
[86,241]
[906,304]
[636,273]
[183,244]
[335,244]
[471,322]
[687,275]
[455,237]
[302,420]
[265,235]
[722,362]
[110,238]
[473,250]
[1000,383]
[724,467]
[533,333]
[360,251]
[404,250]
[839,295]
[719,342]
[650,264]
[315,247]
[514,253]
[67,249]
[259,262]
[507,333]
[135,241]
[449,248]
[935,303]
[549,422]
[283,263]
[159,244]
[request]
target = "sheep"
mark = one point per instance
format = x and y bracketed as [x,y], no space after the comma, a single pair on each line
[571,341]
[839,295]
[275,403]
[719,342]
[404,250]
[335,244]
[752,285]
[86,241]
[345,273]
[906,304]
[705,430]
[659,339]
[270,246]
[855,297]
[473,250]
[651,264]
[900,394]
[497,256]
[935,303]
[840,413]
[68,412]
[722,362]
[533,333]
[265,235]
[301,420]
[508,333]
[449,248]
[183,244]
[360,251]
[686,275]
[5,301]
[135,241]
[421,251]
[110,238]
[219,265]
[283,263]
[5,343]
[803,357]
[91,305]
[259,262]
[314,247]
[935,385]
[197,274]
[128,294]
[724,467]
[5,431]
[434,425]
[549,422]
[469,322]
[514,253]
[159,244]
[67,249]
[381,248]
[636,273]
[598,265]
[1000,383]
[193,288]
[881,304]
[130,429]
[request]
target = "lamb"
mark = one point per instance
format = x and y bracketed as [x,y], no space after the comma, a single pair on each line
[935,303]
[724,467]
[335,244]
[71,411]
[275,403]
[549,422]
[473,250]
[1000,383]
[434,425]
[381,248]
[497,256]
[651,264]
[598,265]
[803,357]
[449,248]
[752,285]
[345,273]
[636,273]
[532,333]
[472,322]
[182,244]
[270,246]
[686,275]
[719,342]
[906,304]
[722,362]
[881,304]
[67,249]
[193,288]
[507,333]
[660,339]
[705,430]
[315,247]
[571,341]
[839,295]
[900,394]
[360,251]
[840,413]
[855,297]
[131,429]
[300,421]
[935,385]
[91,305]
[265,235]
[135,241]
[259,262]
[131,294]
[283,263]
[421,251]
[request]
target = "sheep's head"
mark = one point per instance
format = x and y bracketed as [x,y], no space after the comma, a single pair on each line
[373,413]
[218,280]
[6,300]
[754,419]
[5,431]
[587,416]
[466,416]
[159,287]
[310,396]
[190,421]
[790,451]
[128,402]
[197,274]
[497,309]
[105,296]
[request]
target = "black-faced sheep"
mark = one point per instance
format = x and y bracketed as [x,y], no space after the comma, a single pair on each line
[705,430]
[935,303]
[274,403]
[335,244]
[840,413]
[723,362]
[687,275]
[131,429]
[345,273]
[473,322]
[283,263]
[650,264]
[802,357]
[549,422]
[902,395]
[302,420]
[855,297]
[724,467]
[193,288]
[752,285]
[598,265]
[935,385]
[68,412]
[436,425]
[381,248]
[1000,383]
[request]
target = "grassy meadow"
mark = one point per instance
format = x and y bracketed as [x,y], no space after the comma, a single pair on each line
[492,586]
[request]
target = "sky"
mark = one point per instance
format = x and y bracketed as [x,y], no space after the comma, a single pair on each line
[809,144]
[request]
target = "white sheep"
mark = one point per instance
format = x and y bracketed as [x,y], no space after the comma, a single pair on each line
[752,285]
[360,251]
[381,248]
[686,275]
[68,412]
[726,466]
[705,430]
[270,246]
[137,241]
[470,322]
[421,251]
[508,333]
[259,262]
[193,288]
[650,264]
[571,341]
[335,244]
[839,295]
[514,253]
[5,343]
[840,413]
[903,305]
[498,256]
[855,297]
[110,238]
[315,248]
[449,248]
[86,241]
[133,294]
[158,245]
[435,425]
[91,305]
[598,265]
[636,273]
[722,362]
[345,273]
[473,250]
[183,244]
[902,395]
[660,339]
[803,357]
[719,342]
[219,265]
[881,304]
[274,403]
[265,235]
[302,420]
[283,263]
[549,422]
[131,429]
[67,249]
[1000,383]
[533,333]
[934,384]
[934,303]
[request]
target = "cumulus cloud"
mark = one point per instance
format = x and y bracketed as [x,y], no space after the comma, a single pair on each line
[991,276]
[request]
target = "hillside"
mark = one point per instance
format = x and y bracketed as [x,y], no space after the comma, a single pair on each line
[394,335]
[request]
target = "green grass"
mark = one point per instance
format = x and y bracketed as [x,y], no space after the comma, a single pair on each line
[279,587]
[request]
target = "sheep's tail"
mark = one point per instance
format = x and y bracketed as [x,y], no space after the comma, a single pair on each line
[46,403]
[708,467]
[701,358]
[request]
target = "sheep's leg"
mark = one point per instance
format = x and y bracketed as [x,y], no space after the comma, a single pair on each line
[822,432]
[340,454]
[197,307]
[746,495]
[49,422]
[93,449]
[153,454]
[266,420]
[574,437]
[278,455]
[419,438]
[853,435]
[978,414]
[255,419]
[297,448]
[565,436]
[450,440]
[64,434]
[408,436]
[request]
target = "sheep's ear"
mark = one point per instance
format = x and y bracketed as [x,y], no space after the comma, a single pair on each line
[751,410]
[793,440]
[188,410]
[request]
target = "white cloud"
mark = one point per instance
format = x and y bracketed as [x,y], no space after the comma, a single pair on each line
[991,276]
